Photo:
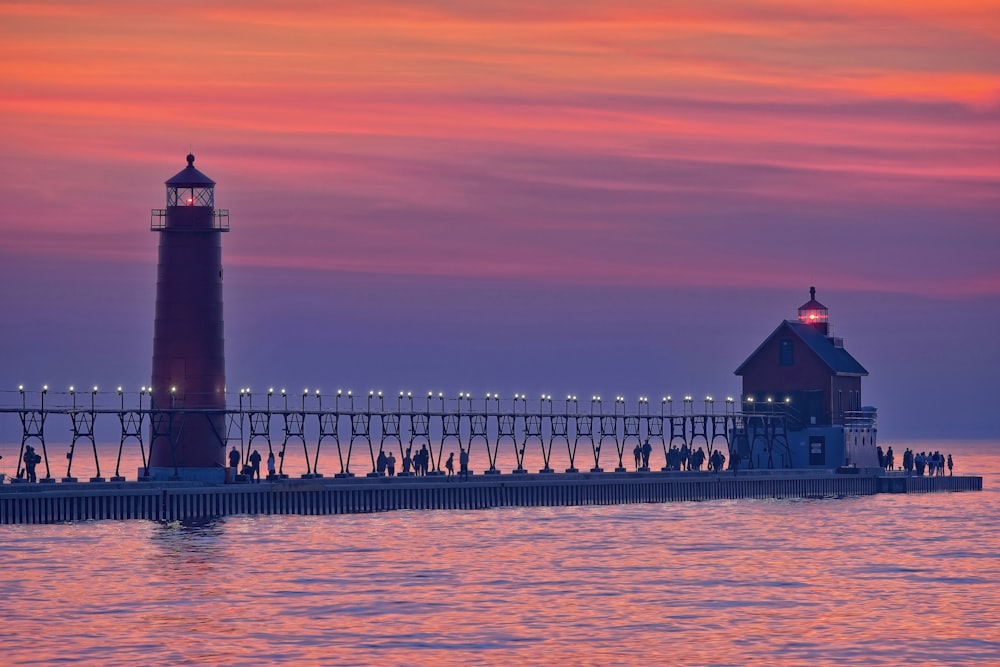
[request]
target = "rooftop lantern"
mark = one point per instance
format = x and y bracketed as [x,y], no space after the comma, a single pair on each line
[191,188]
[815,314]
[190,204]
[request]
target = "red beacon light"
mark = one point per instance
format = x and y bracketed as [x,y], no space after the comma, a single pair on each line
[814,313]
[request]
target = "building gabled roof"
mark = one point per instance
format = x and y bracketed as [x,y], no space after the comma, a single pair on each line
[837,359]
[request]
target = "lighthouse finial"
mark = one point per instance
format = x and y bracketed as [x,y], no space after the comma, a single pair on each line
[812,293]
[190,159]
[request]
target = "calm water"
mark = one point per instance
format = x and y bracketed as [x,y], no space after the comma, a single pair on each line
[884,580]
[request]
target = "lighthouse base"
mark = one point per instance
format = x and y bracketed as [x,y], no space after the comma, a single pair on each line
[171,474]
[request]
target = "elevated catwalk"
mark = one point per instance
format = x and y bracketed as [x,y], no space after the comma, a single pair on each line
[332,431]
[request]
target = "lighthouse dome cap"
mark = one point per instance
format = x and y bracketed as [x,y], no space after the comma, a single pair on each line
[812,303]
[190,177]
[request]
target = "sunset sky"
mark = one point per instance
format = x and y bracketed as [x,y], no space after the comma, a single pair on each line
[586,197]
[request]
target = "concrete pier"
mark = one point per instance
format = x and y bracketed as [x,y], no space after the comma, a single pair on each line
[180,501]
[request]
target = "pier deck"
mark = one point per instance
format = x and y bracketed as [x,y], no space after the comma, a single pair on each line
[180,501]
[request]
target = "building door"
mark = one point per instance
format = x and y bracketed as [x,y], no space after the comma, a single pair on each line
[817,450]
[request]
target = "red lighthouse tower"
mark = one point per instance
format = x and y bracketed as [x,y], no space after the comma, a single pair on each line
[189,365]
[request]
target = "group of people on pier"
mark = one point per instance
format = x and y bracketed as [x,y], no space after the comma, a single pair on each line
[463,462]
[417,464]
[385,464]
[934,463]
[680,458]
[251,469]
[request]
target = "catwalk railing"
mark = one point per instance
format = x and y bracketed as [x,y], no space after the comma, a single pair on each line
[593,433]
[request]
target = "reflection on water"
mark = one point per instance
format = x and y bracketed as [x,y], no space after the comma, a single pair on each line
[883,580]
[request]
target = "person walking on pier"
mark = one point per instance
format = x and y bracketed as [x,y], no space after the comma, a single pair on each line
[697,459]
[637,452]
[390,464]
[31,459]
[463,462]
[255,465]
[425,460]
[234,463]
[407,461]
[716,461]
[270,465]
[890,459]
[951,464]
[647,450]
[450,464]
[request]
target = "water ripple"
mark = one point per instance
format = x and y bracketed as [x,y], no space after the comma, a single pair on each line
[882,580]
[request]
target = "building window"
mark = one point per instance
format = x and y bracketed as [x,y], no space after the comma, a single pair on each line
[786,353]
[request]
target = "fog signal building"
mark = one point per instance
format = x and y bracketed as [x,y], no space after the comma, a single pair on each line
[803,372]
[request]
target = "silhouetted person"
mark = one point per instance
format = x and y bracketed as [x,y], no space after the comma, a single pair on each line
[951,465]
[463,462]
[425,460]
[407,462]
[717,461]
[647,449]
[450,464]
[637,452]
[234,463]
[380,462]
[390,464]
[255,465]
[890,459]
[270,465]
[31,459]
